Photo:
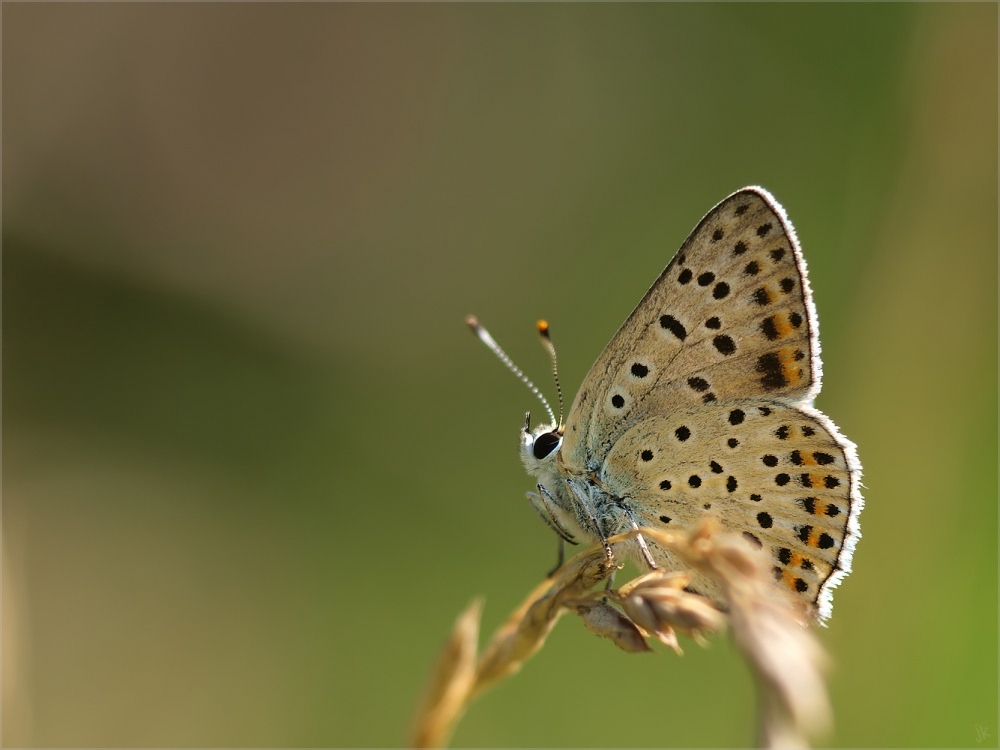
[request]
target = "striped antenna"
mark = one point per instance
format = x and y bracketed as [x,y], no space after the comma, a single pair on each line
[485,337]
[543,329]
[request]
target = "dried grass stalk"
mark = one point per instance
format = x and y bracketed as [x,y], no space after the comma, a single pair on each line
[447,691]
[787,662]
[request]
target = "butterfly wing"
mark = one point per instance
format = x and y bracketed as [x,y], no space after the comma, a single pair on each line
[781,475]
[729,317]
[701,403]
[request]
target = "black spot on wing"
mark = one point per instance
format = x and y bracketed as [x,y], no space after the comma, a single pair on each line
[670,323]
[698,384]
[724,344]
[773,376]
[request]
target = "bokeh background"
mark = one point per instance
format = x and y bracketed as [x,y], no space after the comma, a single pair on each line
[254,463]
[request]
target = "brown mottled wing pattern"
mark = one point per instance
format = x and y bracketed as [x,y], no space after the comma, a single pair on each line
[730,317]
[780,475]
[701,403]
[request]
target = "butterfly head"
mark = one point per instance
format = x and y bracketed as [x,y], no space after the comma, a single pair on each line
[539,446]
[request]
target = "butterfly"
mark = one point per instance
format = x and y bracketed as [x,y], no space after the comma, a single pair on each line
[702,405]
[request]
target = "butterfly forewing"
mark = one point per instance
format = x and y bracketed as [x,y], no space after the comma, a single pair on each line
[730,317]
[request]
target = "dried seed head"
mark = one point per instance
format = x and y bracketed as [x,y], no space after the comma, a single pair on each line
[659,604]
[787,661]
[527,628]
[604,620]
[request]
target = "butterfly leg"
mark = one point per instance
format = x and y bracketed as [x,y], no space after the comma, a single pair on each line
[641,542]
[589,515]
[644,549]
[560,557]
[610,583]
[543,506]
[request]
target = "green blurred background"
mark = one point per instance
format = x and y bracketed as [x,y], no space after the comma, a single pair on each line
[254,463]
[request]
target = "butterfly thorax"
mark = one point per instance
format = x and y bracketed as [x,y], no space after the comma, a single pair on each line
[574,503]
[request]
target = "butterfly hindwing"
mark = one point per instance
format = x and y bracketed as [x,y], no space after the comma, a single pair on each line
[781,475]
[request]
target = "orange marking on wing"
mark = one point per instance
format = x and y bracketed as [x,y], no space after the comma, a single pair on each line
[782,326]
[817,480]
[808,459]
[788,579]
[791,368]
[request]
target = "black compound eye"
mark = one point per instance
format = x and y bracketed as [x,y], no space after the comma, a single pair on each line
[545,444]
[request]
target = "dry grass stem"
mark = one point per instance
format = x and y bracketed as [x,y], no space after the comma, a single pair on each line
[458,676]
[447,692]
[787,662]
[526,629]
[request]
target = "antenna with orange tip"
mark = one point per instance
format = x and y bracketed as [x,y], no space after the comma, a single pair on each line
[543,329]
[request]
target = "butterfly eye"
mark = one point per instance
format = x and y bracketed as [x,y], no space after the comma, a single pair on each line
[545,444]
